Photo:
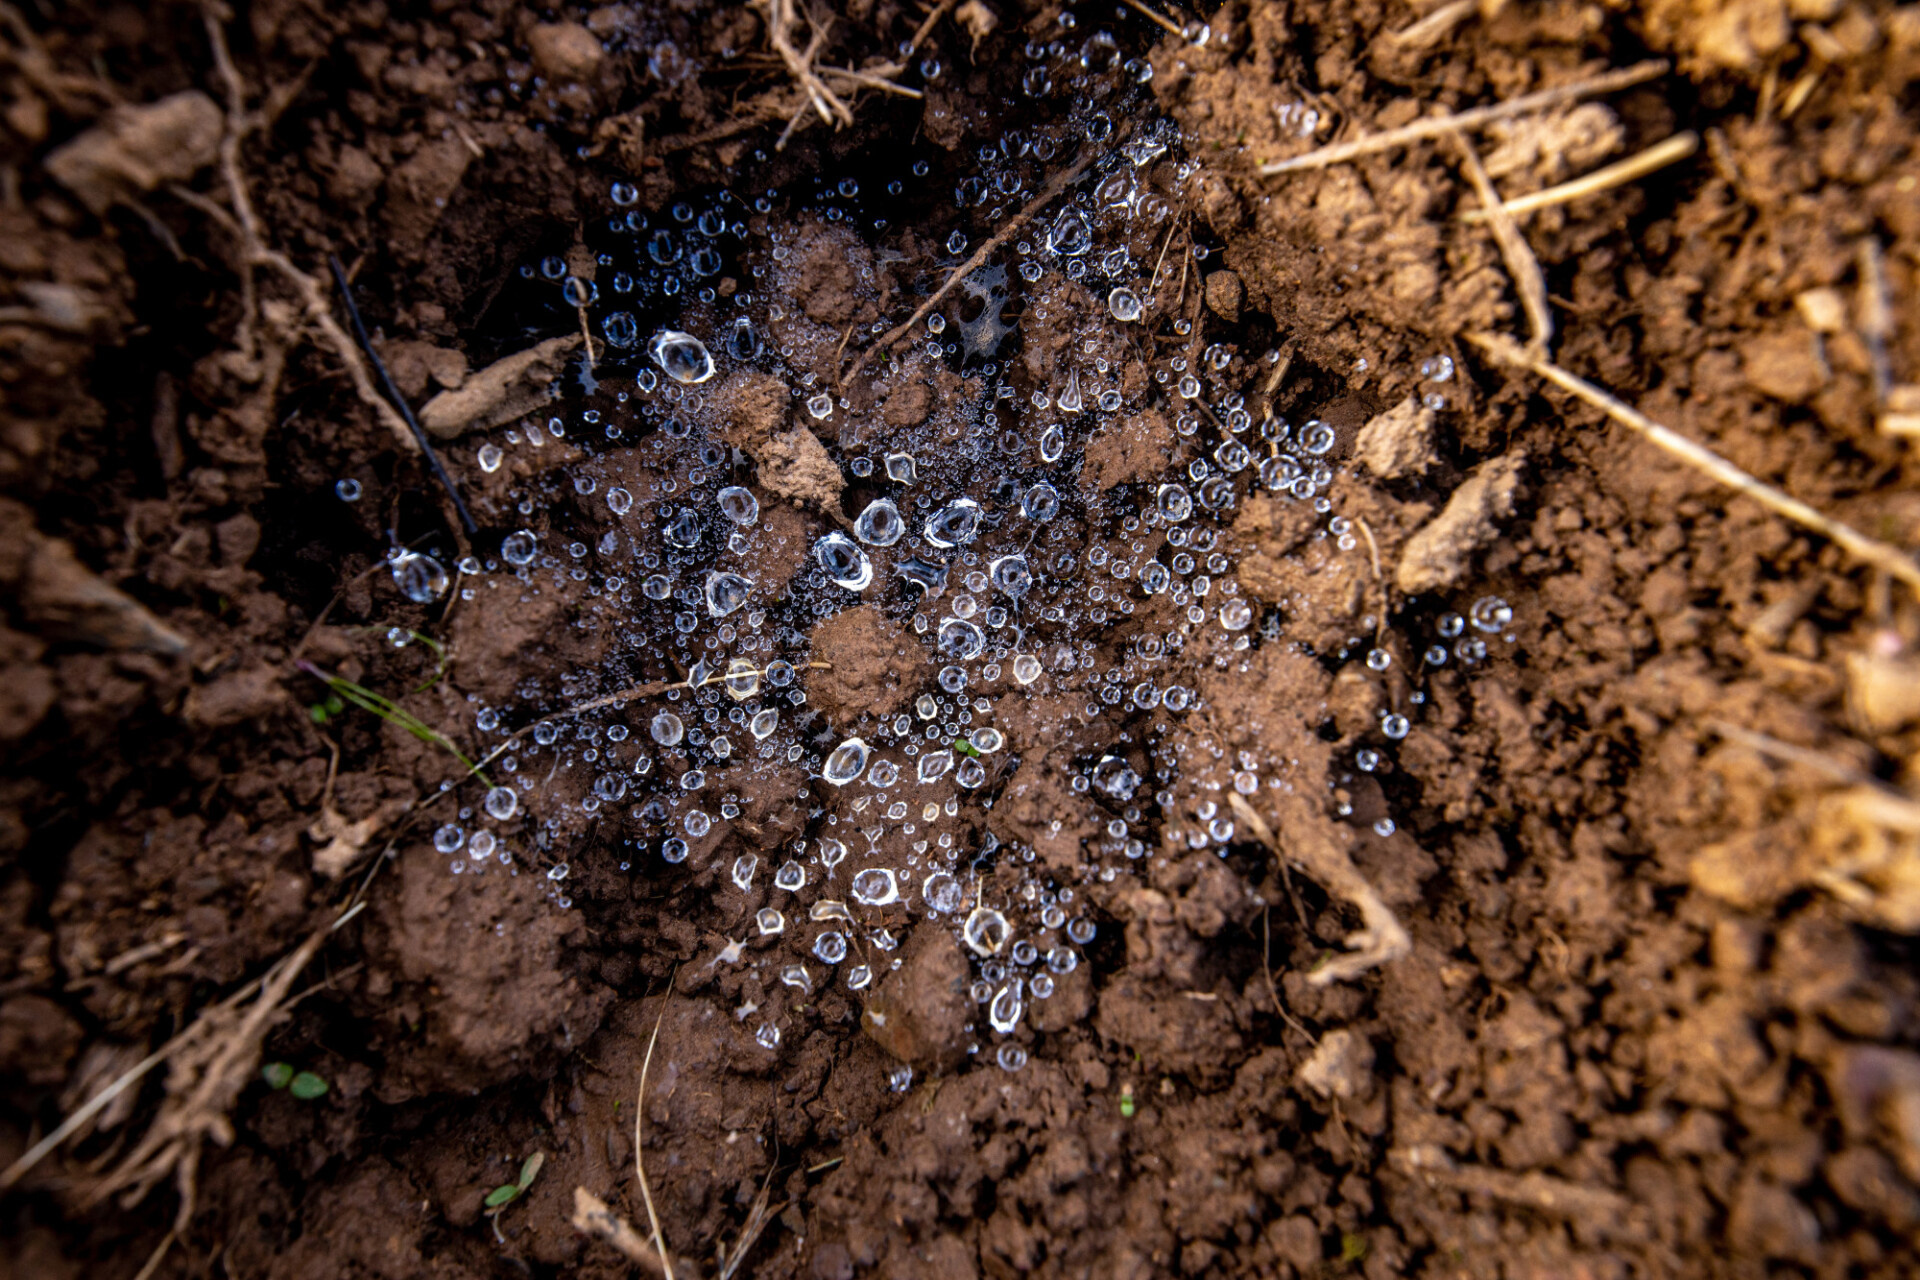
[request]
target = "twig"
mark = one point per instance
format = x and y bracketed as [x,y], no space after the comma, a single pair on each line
[1434,126]
[1528,281]
[780,21]
[399,401]
[871,81]
[1880,555]
[1634,167]
[1149,14]
[1055,185]
[1435,27]
[595,1217]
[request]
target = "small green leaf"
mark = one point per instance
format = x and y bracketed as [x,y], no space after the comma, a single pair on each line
[502,1194]
[277,1074]
[307,1086]
[1126,1106]
[531,1169]
[318,713]
[1353,1247]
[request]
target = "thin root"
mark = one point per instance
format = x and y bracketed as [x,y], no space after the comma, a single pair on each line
[1633,168]
[1435,126]
[595,1217]
[1881,555]
[1314,842]
[1055,185]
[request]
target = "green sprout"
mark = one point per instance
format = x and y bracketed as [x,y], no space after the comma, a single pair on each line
[507,1192]
[1126,1101]
[304,1085]
[1353,1247]
[389,710]
[966,748]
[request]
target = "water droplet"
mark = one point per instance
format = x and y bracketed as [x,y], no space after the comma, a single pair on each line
[1011,576]
[502,803]
[934,765]
[845,763]
[961,640]
[954,524]
[1490,614]
[726,592]
[1175,503]
[1235,614]
[1124,304]
[349,490]
[880,524]
[1004,1013]
[666,729]
[986,931]
[821,405]
[1026,668]
[876,887]
[739,505]
[681,356]
[1041,502]
[421,579]
[846,564]
[987,740]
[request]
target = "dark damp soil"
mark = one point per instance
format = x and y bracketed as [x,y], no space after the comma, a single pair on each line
[1651,1022]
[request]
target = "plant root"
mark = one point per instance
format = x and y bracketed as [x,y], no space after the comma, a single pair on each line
[1881,555]
[1314,842]
[1435,126]
[244,224]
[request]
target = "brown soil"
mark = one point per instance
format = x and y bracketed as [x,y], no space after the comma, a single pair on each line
[1652,841]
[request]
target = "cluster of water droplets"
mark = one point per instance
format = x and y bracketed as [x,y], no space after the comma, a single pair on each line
[1037,596]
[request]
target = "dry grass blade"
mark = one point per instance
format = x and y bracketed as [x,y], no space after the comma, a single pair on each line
[1528,280]
[1435,126]
[1634,167]
[780,18]
[639,1153]
[1881,555]
[757,1219]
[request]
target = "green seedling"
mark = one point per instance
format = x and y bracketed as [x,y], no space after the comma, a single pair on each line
[392,712]
[1126,1102]
[507,1192]
[304,1085]
[1353,1247]
[403,636]
[966,748]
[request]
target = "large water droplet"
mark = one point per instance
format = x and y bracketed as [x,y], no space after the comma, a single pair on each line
[934,765]
[1011,576]
[1041,503]
[986,931]
[960,640]
[743,679]
[942,892]
[1053,442]
[880,524]
[1124,304]
[844,561]
[764,723]
[876,887]
[666,729]
[739,505]
[954,524]
[502,803]
[1176,504]
[1004,1012]
[1071,233]
[845,763]
[726,592]
[421,579]
[681,356]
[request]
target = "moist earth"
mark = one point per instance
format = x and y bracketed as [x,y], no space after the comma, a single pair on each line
[1652,844]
